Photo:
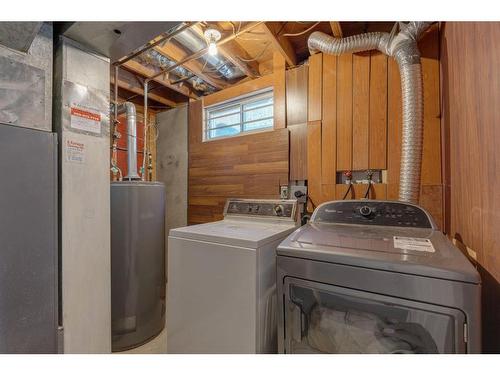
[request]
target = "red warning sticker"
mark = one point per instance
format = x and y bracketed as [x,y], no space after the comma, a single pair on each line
[84,119]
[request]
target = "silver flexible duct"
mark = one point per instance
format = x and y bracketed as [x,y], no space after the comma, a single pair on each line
[403,47]
[129,109]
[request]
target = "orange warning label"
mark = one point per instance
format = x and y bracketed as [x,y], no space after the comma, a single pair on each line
[85,114]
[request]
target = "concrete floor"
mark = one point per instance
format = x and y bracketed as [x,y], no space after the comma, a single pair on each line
[156,346]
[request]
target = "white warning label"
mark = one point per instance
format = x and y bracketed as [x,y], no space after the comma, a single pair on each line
[75,152]
[416,244]
[84,119]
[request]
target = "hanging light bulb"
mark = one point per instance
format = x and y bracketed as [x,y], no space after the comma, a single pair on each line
[212,36]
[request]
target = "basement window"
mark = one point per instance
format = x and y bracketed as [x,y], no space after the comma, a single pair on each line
[241,115]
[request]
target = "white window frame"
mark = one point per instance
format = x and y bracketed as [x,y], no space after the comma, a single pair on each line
[239,101]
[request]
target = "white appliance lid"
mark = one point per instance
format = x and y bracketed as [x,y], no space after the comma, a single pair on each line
[237,232]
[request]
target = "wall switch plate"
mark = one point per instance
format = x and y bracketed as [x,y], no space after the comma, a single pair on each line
[284,192]
[299,192]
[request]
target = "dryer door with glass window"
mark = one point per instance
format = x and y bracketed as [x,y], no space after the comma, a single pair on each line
[321,318]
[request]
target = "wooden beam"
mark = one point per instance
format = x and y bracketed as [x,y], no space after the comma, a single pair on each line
[140,91]
[281,43]
[336,29]
[144,71]
[176,53]
[232,51]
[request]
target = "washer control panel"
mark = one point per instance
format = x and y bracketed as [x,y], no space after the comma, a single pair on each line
[372,212]
[262,208]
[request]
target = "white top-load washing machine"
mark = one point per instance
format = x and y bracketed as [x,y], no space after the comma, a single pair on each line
[222,279]
[375,277]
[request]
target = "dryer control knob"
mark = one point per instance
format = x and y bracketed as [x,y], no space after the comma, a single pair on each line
[365,211]
[279,209]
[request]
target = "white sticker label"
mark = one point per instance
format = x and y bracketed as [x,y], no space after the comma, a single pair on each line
[75,152]
[85,119]
[416,244]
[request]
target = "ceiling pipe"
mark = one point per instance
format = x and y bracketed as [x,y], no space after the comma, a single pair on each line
[403,47]
[194,56]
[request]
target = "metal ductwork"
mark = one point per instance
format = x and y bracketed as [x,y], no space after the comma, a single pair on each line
[403,47]
[129,109]
[156,59]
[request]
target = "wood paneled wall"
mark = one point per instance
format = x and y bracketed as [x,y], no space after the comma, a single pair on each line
[246,166]
[470,79]
[354,123]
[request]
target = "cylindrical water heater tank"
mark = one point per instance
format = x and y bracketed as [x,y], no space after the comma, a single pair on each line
[137,262]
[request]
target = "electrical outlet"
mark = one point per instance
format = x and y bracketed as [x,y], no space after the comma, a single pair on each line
[299,192]
[284,192]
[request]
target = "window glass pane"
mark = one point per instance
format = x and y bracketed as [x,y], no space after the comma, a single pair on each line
[224,132]
[261,124]
[223,111]
[257,114]
[224,121]
[259,103]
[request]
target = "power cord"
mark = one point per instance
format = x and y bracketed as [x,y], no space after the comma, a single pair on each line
[348,175]
[369,175]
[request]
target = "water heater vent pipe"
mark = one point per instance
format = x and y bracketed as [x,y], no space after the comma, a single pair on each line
[129,109]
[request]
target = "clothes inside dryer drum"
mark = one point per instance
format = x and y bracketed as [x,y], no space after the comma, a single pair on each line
[354,331]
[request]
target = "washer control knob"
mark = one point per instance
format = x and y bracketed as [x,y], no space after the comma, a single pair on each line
[365,211]
[279,209]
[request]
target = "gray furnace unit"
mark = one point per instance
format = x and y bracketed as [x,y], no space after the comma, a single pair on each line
[137,262]
[375,277]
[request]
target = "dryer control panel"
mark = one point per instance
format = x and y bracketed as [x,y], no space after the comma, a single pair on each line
[285,209]
[373,212]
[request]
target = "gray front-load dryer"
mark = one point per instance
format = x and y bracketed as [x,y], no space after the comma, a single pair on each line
[375,277]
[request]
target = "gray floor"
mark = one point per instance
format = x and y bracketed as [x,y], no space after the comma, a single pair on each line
[156,346]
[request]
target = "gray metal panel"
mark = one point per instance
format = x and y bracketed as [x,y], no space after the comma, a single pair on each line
[458,295]
[28,241]
[18,35]
[373,247]
[26,83]
[84,203]
[137,262]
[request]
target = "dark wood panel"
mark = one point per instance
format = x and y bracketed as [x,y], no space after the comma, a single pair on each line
[298,152]
[314,162]
[329,122]
[378,111]
[360,110]
[315,90]
[296,95]
[344,112]
[470,85]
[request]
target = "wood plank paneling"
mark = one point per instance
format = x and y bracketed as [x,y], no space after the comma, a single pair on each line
[378,111]
[298,152]
[329,121]
[470,84]
[393,129]
[360,110]
[314,162]
[279,91]
[315,89]
[248,166]
[296,95]
[344,112]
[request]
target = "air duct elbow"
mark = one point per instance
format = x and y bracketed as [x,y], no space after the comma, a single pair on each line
[403,47]
[129,109]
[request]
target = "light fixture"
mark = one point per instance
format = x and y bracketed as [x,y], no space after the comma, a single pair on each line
[212,36]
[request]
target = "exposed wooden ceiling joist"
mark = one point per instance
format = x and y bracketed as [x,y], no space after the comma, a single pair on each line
[233,52]
[336,29]
[178,54]
[144,71]
[281,43]
[140,91]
